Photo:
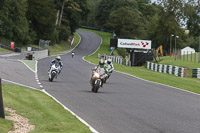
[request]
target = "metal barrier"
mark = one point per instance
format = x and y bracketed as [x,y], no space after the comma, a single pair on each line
[116,59]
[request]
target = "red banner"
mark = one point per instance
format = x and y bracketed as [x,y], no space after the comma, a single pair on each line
[12,44]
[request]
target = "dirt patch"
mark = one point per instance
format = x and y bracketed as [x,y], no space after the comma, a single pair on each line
[21,124]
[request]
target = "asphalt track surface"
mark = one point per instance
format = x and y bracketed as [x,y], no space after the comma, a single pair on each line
[125,104]
[12,69]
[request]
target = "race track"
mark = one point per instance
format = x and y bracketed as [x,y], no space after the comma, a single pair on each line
[125,104]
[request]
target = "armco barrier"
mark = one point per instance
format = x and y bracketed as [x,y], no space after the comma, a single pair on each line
[174,70]
[196,73]
[116,59]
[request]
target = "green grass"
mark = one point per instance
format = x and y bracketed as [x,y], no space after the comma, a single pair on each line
[64,46]
[58,48]
[181,63]
[41,110]
[190,84]
[5,50]
[188,64]
[5,125]
[30,63]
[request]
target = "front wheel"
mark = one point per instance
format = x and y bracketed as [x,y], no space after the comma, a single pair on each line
[96,86]
[53,74]
[51,79]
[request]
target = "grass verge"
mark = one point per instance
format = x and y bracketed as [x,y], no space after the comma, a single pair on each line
[5,125]
[64,46]
[59,48]
[5,50]
[30,63]
[41,110]
[190,84]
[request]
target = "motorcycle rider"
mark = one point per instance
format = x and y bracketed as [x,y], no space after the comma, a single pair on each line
[100,68]
[73,53]
[109,66]
[57,60]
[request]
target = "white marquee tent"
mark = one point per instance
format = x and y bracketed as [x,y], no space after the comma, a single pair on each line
[187,50]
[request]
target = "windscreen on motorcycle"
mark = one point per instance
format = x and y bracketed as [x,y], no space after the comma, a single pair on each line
[101,71]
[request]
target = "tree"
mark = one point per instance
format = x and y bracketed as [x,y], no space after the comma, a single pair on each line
[105,7]
[168,20]
[126,22]
[42,18]
[103,11]
[14,24]
[192,13]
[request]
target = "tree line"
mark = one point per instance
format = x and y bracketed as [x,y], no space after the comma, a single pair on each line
[27,21]
[160,21]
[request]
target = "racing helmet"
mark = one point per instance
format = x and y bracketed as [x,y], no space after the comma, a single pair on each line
[109,61]
[58,58]
[101,63]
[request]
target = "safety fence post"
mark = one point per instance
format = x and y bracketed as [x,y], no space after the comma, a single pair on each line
[2,115]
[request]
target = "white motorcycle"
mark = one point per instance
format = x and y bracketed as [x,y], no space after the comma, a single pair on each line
[54,71]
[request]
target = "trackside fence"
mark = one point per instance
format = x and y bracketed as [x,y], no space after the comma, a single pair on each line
[170,69]
[196,73]
[116,59]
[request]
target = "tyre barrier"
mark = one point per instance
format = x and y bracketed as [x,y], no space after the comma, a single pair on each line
[196,73]
[116,59]
[170,69]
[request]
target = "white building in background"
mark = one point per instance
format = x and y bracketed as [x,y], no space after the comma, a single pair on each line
[187,50]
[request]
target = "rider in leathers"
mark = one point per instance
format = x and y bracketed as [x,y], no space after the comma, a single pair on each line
[57,59]
[109,66]
[100,68]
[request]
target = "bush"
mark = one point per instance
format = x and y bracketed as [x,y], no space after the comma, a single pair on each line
[64,33]
[121,52]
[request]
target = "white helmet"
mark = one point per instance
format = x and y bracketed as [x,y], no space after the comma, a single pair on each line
[109,61]
[58,58]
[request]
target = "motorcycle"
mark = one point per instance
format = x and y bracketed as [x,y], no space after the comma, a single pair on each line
[73,54]
[54,71]
[97,80]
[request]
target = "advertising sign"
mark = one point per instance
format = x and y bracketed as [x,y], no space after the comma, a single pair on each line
[12,44]
[138,44]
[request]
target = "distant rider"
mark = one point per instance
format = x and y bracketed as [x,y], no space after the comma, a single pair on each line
[73,53]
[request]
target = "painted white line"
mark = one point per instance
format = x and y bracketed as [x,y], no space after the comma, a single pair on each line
[39,83]
[27,66]
[83,121]
[41,86]
[20,84]
[36,67]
